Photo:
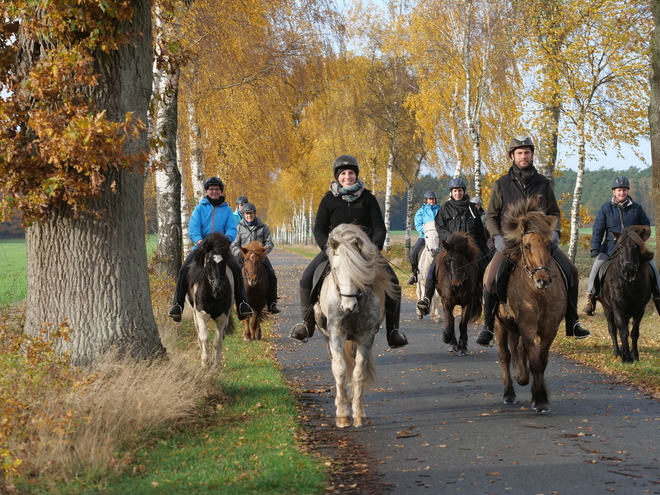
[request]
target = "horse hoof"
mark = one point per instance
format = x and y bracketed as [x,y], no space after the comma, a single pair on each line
[358,422]
[542,409]
[510,400]
[453,348]
[343,422]
[462,352]
[446,337]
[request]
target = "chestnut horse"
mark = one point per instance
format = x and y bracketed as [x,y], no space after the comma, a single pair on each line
[349,312]
[527,323]
[255,274]
[459,284]
[626,289]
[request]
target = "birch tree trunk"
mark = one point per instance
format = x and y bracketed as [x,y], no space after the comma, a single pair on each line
[577,192]
[91,273]
[388,196]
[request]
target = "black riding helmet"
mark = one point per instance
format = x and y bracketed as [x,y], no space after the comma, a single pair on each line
[343,162]
[620,181]
[241,200]
[520,142]
[213,181]
[457,183]
[249,208]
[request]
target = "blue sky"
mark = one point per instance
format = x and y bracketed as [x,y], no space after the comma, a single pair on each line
[611,160]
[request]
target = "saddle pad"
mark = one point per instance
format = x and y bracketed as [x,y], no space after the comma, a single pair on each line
[319,274]
[506,268]
[600,276]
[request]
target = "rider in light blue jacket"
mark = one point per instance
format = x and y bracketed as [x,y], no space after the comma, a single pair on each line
[212,214]
[426,213]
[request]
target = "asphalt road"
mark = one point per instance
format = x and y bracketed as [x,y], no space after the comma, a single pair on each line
[437,424]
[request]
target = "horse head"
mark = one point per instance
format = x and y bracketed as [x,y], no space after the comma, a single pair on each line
[431,240]
[528,237]
[253,259]
[458,255]
[631,250]
[215,250]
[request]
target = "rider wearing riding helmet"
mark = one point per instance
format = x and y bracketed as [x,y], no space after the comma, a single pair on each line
[241,201]
[619,212]
[347,202]
[426,213]
[250,229]
[523,181]
[458,214]
[212,214]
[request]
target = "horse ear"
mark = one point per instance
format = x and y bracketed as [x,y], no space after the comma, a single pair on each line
[332,242]
[243,250]
[445,245]
[616,235]
[359,243]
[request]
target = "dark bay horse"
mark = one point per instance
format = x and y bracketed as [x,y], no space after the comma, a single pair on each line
[255,274]
[459,284]
[349,312]
[626,289]
[210,293]
[527,324]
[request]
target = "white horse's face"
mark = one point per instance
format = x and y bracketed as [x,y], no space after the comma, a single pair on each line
[431,236]
[346,289]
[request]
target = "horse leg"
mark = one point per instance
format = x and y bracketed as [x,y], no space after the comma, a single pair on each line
[634,336]
[202,335]
[257,324]
[360,377]
[435,307]
[221,324]
[522,358]
[622,323]
[539,393]
[463,329]
[246,329]
[336,346]
[612,329]
[504,355]
[448,336]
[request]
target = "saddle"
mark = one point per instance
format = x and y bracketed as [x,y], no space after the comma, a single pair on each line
[507,267]
[317,281]
[600,276]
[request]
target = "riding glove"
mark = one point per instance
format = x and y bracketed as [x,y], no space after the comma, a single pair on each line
[555,242]
[499,243]
[594,253]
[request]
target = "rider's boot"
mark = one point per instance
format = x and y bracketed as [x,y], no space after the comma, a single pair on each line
[424,304]
[303,331]
[395,337]
[488,332]
[591,304]
[175,313]
[574,328]
[413,278]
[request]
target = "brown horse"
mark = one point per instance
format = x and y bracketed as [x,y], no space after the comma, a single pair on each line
[527,323]
[459,284]
[626,289]
[255,274]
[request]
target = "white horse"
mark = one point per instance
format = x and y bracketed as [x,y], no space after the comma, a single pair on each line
[349,312]
[425,259]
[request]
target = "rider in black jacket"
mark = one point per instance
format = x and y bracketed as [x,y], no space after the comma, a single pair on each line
[348,201]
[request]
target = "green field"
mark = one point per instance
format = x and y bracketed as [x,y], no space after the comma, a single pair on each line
[13,271]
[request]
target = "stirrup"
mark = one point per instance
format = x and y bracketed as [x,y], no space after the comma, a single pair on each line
[485,336]
[412,280]
[578,332]
[424,305]
[244,310]
[297,333]
[273,309]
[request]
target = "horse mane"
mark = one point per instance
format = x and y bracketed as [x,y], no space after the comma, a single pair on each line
[636,234]
[257,248]
[523,216]
[460,242]
[216,243]
[362,258]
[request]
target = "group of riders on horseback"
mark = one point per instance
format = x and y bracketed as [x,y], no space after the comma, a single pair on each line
[349,202]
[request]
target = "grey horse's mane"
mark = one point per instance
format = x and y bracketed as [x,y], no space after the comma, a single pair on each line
[362,258]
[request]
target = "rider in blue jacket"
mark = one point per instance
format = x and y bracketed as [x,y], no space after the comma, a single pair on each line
[212,214]
[426,213]
[619,212]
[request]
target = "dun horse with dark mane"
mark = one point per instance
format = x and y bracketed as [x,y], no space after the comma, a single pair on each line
[626,289]
[534,303]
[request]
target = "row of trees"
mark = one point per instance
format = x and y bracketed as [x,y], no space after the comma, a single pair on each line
[265,94]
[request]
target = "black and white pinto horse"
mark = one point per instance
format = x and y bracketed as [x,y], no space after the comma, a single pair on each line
[349,312]
[211,294]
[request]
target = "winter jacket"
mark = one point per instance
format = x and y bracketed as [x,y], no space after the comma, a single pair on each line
[613,217]
[425,214]
[238,216]
[364,211]
[207,218]
[508,189]
[258,231]
[461,216]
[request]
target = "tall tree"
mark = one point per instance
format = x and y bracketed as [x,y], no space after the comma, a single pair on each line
[654,105]
[79,78]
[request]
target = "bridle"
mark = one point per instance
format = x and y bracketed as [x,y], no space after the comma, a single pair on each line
[528,271]
[357,295]
[256,272]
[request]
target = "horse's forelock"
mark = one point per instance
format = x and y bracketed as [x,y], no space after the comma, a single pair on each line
[629,233]
[462,243]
